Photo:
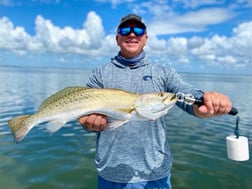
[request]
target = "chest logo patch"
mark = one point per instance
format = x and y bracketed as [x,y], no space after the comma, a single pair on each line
[147,77]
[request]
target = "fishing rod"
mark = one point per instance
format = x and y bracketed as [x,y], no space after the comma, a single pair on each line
[237,146]
[190,100]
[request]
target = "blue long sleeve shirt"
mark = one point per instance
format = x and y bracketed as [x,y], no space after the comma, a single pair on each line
[137,151]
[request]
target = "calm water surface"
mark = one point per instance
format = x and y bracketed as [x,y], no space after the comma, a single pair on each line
[66,159]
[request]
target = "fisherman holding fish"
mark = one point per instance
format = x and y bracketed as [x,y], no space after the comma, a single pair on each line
[125,103]
[137,154]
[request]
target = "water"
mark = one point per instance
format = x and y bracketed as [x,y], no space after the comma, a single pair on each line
[66,159]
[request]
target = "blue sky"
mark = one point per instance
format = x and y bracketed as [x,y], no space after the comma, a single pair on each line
[190,35]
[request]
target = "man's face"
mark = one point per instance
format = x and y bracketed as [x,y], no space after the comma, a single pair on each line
[131,45]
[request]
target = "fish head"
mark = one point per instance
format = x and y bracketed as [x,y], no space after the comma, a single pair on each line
[154,105]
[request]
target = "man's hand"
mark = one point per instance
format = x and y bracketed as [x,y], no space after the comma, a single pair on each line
[93,122]
[215,104]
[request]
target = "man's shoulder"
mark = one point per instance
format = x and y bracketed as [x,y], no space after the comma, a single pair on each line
[103,67]
[162,68]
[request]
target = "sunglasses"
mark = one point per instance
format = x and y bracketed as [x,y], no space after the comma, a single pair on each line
[138,31]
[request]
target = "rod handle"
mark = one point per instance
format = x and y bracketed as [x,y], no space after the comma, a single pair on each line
[200,102]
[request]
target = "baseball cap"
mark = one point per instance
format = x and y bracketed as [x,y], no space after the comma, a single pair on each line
[131,17]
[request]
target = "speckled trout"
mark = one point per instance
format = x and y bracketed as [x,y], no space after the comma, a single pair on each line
[73,102]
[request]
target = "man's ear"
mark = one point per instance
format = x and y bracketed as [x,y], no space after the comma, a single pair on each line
[146,36]
[117,39]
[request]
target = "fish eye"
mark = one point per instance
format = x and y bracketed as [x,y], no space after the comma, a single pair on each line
[161,94]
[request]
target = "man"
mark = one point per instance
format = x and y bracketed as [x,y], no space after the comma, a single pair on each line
[137,154]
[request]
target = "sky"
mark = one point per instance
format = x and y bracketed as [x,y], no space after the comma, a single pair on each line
[206,36]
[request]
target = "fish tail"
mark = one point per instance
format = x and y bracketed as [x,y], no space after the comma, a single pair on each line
[20,126]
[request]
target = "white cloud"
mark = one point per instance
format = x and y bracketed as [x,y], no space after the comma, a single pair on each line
[231,53]
[227,59]
[155,45]
[114,3]
[13,38]
[91,42]
[196,21]
[94,28]
[177,46]
[20,2]
[206,17]
[195,42]
[177,16]
[54,39]
[6,2]
[246,3]
[198,3]
[225,51]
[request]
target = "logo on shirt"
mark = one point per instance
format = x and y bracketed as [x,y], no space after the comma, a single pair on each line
[147,77]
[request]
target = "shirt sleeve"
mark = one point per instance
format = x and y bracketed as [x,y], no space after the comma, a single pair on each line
[175,84]
[95,79]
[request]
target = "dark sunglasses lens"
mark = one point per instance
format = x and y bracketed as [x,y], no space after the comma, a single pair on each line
[138,31]
[124,31]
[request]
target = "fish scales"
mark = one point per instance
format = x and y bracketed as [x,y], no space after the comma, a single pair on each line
[74,102]
[88,98]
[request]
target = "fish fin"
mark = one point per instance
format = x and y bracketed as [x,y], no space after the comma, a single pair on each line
[54,125]
[20,126]
[116,123]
